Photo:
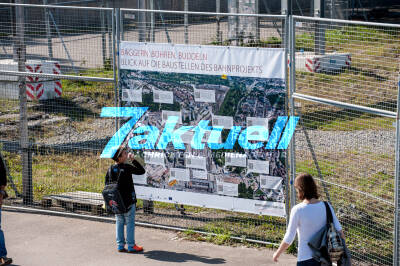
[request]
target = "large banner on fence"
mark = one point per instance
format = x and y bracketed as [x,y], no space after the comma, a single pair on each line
[226,98]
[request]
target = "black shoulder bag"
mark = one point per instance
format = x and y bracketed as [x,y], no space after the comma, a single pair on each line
[112,197]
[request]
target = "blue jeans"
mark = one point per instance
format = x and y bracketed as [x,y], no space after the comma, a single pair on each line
[3,250]
[128,219]
[310,262]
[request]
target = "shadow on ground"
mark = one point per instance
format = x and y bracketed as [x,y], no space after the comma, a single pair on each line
[168,256]
[64,106]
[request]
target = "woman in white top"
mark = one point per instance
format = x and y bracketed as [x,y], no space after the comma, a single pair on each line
[307,218]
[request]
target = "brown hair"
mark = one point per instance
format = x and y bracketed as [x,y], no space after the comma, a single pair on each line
[307,189]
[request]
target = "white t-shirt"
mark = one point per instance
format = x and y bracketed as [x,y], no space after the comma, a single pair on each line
[307,219]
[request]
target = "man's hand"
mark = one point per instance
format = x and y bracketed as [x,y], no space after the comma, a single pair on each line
[131,156]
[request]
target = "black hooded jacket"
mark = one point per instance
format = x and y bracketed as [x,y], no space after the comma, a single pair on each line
[125,182]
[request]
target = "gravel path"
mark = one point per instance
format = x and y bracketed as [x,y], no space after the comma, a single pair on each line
[382,141]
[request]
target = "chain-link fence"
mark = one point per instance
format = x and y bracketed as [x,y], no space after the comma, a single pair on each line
[57,72]
[346,78]
[345,75]
[203,28]
[63,170]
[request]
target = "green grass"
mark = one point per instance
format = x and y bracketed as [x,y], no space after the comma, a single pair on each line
[369,229]
[53,174]
[328,120]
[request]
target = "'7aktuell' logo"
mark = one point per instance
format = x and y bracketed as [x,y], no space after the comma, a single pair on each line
[146,136]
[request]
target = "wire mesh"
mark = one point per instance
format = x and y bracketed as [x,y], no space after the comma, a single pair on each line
[349,62]
[78,39]
[206,29]
[350,152]
[66,134]
[60,115]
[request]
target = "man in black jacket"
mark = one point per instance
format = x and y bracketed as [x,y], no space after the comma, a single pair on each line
[3,182]
[122,173]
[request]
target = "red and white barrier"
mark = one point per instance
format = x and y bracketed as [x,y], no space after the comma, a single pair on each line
[52,89]
[36,88]
[310,62]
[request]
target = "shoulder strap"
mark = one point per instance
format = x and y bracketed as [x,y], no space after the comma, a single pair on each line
[329,218]
[110,173]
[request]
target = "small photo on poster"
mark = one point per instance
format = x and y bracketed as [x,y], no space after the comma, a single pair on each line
[257,121]
[140,179]
[270,182]
[187,137]
[257,166]
[205,96]
[222,121]
[193,161]
[180,174]
[130,95]
[165,114]
[163,96]
[228,189]
[157,158]
[200,174]
[235,159]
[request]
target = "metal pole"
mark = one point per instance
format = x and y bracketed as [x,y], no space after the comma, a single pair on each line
[237,21]
[284,11]
[103,35]
[396,244]
[286,46]
[218,10]
[121,26]
[23,127]
[142,21]
[115,39]
[152,20]
[319,42]
[292,90]
[257,11]
[186,21]
[48,31]
[110,30]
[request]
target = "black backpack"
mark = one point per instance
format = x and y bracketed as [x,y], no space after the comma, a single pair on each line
[112,196]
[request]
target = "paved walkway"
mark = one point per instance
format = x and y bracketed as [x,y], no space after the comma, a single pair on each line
[35,239]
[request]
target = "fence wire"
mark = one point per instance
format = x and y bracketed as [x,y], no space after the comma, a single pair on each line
[58,165]
[66,134]
[349,147]
[207,29]
[347,136]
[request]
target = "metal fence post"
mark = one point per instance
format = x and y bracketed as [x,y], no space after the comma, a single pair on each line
[121,26]
[115,51]
[26,157]
[142,21]
[396,244]
[286,47]
[292,48]
[48,31]
[218,10]
[103,35]
[319,42]
[152,22]
[186,21]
